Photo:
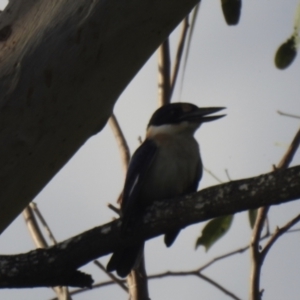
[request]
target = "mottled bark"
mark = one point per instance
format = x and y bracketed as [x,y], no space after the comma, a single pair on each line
[59,263]
[63,65]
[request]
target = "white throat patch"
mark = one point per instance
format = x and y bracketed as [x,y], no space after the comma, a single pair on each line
[172,129]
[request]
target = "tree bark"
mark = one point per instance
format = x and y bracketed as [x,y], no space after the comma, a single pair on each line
[63,64]
[58,265]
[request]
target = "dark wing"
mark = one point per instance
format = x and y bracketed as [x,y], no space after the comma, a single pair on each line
[137,171]
[124,259]
[193,187]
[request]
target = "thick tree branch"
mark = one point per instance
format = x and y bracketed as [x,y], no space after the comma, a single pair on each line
[58,264]
[189,272]
[63,65]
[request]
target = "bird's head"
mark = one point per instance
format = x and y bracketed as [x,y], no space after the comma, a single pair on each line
[176,118]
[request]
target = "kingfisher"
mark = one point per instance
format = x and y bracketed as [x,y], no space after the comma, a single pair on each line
[166,165]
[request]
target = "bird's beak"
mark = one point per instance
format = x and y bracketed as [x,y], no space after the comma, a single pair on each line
[201,115]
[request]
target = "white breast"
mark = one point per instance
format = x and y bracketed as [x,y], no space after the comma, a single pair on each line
[174,170]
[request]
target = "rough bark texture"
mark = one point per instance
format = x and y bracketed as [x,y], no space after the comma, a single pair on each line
[63,64]
[57,265]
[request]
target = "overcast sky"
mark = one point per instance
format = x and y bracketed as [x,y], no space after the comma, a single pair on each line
[228,66]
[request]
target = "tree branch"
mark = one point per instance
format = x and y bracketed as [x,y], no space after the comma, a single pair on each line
[287,114]
[111,276]
[164,71]
[33,227]
[63,66]
[276,235]
[58,264]
[197,274]
[257,257]
[288,157]
[200,269]
[180,47]
[255,293]
[121,141]
[137,282]
[40,241]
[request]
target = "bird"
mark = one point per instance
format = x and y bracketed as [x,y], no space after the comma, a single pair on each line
[166,165]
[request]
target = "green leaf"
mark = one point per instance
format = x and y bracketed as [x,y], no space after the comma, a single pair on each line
[252,213]
[213,231]
[231,11]
[286,53]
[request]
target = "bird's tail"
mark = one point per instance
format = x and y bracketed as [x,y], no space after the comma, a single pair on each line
[126,259]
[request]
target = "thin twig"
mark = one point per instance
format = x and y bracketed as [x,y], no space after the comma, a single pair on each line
[121,141]
[114,209]
[215,259]
[44,223]
[288,157]
[40,242]
[197,274]
[293,230]
[137,281]
[164,67]
[277,234]
[95,286]
[185,26]
[206,265]
[191,31]
[111,276]
[123,149]
[267,227]
[218,286]
[227,174]
[255,253]
[257,256]
[34,229]
[212,174]
[238,251]
[287,115]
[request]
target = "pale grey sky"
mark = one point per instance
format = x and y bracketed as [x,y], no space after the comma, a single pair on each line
[228,66]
